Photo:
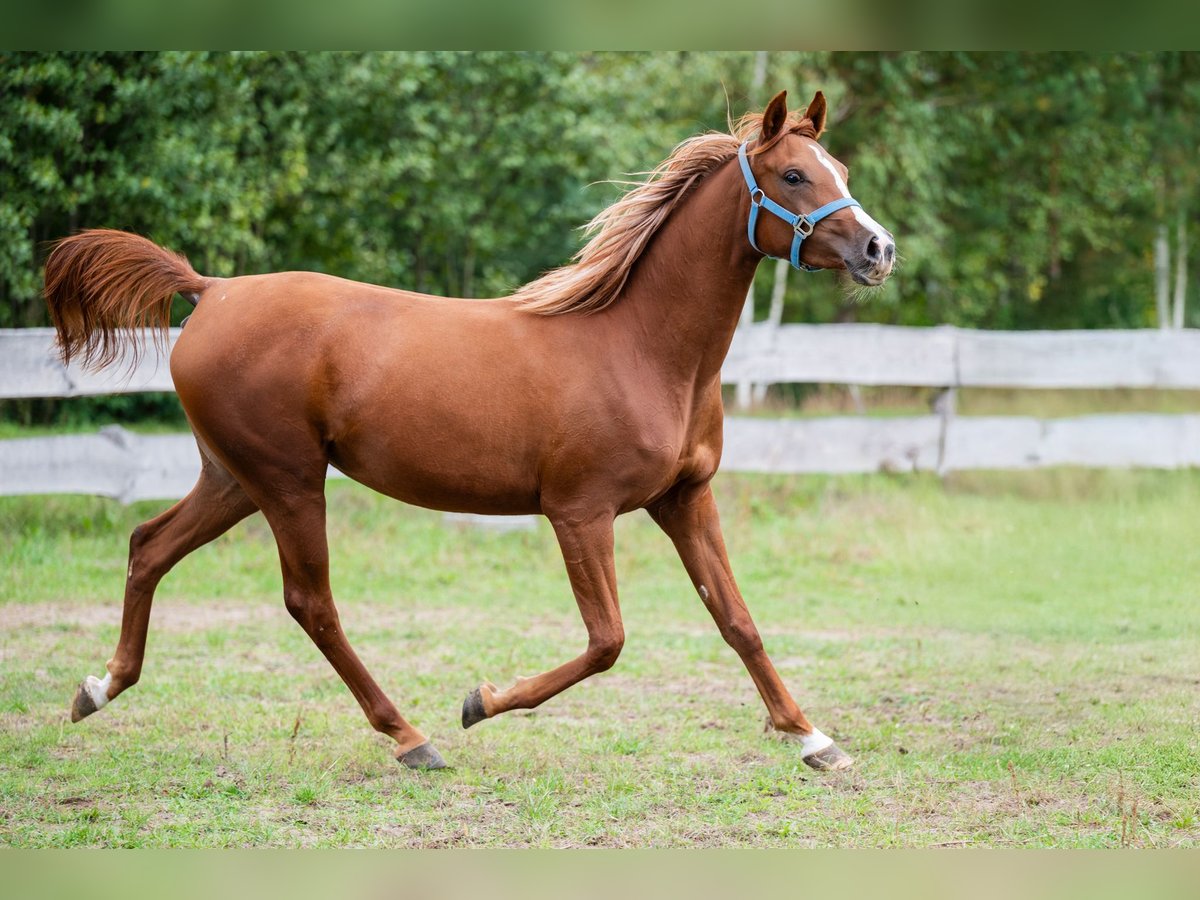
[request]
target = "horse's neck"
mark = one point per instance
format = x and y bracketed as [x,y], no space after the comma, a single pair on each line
[685,295]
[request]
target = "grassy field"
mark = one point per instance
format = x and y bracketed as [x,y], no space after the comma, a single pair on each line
[792,401]
[1012,659]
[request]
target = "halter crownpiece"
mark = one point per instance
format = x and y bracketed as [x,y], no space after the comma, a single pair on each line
[802,225]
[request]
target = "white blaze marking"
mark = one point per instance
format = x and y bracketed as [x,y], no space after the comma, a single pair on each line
[98,688]
[814,743]
[859,213]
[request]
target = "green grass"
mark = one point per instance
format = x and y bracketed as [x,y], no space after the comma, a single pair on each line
[810,401]
[1012,659]
[17,430]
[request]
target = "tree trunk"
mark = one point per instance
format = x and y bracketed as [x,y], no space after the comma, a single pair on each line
[1181,272]
[760,74]
[1053,224]
[775,314]
[1162,276]
[745,392]
[468,270]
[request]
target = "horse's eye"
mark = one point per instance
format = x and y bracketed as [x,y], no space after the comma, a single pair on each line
[793,177]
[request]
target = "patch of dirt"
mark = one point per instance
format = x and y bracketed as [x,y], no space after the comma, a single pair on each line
[170,616]
[166,616]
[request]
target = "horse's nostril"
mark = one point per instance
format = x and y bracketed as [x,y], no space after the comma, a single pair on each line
[873,250]
[881,252]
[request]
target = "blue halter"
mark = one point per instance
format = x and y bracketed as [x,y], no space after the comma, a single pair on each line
[802,225]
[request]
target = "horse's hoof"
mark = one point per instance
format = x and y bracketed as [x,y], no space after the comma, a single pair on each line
[832,758]
[91,696]
[83,705]
[423,756]
[473,711]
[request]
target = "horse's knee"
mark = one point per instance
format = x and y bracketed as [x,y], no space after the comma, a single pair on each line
[296,603]
[300,605]
[604,650]
[314,612]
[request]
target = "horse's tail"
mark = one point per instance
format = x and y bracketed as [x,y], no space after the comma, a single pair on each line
[104,287]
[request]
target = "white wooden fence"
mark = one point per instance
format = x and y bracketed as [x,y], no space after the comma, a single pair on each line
[117,463]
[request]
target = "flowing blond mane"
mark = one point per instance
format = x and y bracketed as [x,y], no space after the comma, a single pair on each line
[620,233]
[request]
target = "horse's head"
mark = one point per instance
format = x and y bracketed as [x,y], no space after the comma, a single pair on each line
[791,169]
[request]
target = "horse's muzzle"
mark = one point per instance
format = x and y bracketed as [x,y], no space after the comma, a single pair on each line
[871,274]
[878,256]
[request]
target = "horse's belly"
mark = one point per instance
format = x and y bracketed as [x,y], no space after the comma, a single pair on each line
[488,480]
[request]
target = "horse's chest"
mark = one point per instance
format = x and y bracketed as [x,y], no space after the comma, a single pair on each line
[666,451]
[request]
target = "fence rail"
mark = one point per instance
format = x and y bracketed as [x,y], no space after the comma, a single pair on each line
[944,357]
[117,463]
[30,367]
[957,357]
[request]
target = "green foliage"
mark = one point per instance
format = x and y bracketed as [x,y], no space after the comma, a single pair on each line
[447,172]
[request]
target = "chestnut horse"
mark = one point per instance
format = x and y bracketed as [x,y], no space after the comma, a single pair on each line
[591,392]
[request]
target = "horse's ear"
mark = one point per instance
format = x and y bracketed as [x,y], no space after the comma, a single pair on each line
[816,112]
[774,117]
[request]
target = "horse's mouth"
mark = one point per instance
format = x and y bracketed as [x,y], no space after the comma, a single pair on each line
[870,275]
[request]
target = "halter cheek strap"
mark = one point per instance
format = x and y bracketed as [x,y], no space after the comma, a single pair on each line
[802,225]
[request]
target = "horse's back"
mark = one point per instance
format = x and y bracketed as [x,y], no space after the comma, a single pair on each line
[276,329]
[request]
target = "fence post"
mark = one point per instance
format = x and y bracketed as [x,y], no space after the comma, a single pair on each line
[945,405]
[744,395]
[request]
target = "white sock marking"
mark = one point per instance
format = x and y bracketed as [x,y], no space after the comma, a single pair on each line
[814,743]
[859,213]
[98,688]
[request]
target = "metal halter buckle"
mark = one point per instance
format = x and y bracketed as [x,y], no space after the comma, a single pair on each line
[803,226]
[761,196]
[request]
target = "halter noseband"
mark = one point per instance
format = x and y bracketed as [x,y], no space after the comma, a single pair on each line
[802,225]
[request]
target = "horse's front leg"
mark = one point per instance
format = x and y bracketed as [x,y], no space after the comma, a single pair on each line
[587,548]
[688,514]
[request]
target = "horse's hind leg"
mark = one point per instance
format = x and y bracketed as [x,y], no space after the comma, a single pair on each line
[688,515]
[297,517]
[215,505]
